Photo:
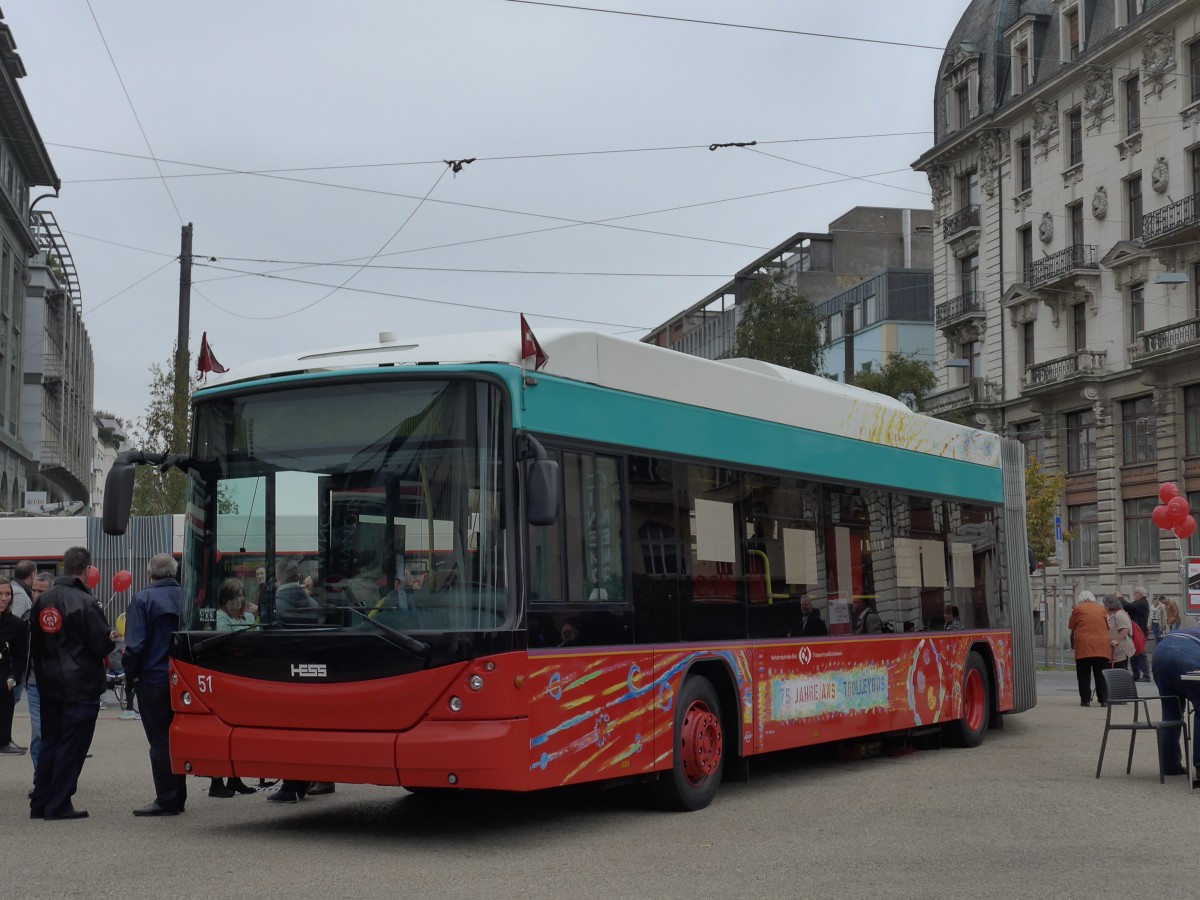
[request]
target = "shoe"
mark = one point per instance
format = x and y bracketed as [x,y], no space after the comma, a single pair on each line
[238,786]
[37,813]
[1085,702]
[321,787]
[1175,770]
[69,813]
[285,797]
[218,789]
[130,714]
[153,809]
[12,749]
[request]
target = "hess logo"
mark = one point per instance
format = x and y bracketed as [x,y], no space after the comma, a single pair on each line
[309,670]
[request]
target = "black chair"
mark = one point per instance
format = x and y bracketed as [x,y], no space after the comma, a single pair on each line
[1122,691]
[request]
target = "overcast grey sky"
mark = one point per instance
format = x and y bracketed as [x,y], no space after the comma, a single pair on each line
[360,102]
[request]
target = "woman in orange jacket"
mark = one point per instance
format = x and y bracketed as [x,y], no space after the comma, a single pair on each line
[1089,638]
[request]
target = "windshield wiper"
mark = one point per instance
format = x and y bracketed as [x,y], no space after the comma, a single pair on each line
[404,641]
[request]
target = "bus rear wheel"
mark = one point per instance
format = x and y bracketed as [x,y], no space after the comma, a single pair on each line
[699,757]
[970,730]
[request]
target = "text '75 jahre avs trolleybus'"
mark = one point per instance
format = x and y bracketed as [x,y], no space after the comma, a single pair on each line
[608,565]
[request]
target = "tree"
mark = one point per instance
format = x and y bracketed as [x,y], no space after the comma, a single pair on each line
[903,376]
[1043,494]
[779,326]
[156,493]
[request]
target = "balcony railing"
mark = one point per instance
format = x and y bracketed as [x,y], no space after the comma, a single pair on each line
[1066,368]
[967,217]
[1163,340]
[974,392]
[1059,265]
[1172,217]
[969,304]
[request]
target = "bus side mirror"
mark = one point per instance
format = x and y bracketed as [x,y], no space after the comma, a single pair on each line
[118,496]
[541,492]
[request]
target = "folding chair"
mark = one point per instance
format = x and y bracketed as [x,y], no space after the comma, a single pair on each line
[1122,691]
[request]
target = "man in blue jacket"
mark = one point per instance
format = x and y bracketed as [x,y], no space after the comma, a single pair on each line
[151,619]
[69,641]
[1176,655]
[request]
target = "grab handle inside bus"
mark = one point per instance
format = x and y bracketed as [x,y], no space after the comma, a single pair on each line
[541,484]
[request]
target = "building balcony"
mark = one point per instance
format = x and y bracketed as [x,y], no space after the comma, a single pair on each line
[1048,377]
[958,224]
[1165,346]
[975,392]
[1178,221]
[1063,266]
[968,306]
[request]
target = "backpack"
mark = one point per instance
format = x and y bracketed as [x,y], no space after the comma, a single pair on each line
[1139,638]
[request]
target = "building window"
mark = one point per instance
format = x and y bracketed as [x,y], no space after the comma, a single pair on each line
[1075,137]
[1191,420]
[968,190]
[1195,157]
[1133,197]
[1032,438]
[1133,106]
[1075,215]
[972,352]
[1071,34]
[962,105]
[1079,326]
[1022,75]
[1141,534]
[1137,311]
[1026,253]
[968,274]
[1025,153]
[1131,10]
[1193,497]
[1194,68]
[1138,431]
[1027,346]
[1084,551]
[1196,289]
[1081,441]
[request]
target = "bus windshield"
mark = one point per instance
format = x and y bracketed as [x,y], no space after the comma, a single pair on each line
[349,506]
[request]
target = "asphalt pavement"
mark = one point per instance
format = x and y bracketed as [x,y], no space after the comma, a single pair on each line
[1021,816]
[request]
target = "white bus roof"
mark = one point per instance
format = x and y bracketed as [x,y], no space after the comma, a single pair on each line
[744,387]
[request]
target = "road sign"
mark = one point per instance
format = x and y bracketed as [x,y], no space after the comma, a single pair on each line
[1058,529]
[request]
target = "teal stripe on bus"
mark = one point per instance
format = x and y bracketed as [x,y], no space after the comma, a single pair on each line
[571,409]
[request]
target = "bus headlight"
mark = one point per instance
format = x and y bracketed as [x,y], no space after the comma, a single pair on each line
[185,699]
[456,704]
[476,682]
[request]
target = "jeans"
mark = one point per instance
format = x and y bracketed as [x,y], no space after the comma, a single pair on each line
[170,790]
[1140,666]
[1176,655]
[35,721]
[1156,629]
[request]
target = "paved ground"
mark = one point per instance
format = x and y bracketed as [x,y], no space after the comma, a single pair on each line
[1022,816]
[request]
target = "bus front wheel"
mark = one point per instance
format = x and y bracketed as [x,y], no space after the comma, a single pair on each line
[699,757]
[970,730]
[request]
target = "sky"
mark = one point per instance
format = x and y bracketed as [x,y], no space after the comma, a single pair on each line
[306,143]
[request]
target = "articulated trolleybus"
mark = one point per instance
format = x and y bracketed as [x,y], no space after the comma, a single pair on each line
[631,563]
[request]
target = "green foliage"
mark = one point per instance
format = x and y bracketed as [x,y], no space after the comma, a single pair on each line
[779,326]
[156,493]
[1043,494]
[903,376]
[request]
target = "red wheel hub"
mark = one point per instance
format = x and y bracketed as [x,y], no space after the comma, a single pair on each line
[974,700]
[701,743]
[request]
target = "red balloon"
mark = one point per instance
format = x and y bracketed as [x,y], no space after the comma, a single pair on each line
[1178,509]
[1168,490]
[92,577]
[1186,528]
[122,580]
[1161,516]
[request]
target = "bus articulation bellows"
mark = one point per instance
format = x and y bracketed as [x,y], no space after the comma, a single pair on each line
[523,579]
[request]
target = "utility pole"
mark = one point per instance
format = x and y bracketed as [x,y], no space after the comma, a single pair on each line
[179,436]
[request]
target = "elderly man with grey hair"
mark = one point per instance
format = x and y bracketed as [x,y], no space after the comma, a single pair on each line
[1120,631]
[1139,613]
[152,618]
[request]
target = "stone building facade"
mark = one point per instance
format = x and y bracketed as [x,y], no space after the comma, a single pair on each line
[1065,179]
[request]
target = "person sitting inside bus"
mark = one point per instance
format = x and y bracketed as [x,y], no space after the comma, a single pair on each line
[810,624]
[232,614]
[292,604]
[953,622]
[866,620]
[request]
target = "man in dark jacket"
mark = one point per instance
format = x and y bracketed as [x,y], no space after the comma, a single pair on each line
[1139,612]
[151,619]
[69,642]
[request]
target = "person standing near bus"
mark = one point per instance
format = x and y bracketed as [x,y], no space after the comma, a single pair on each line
[14,645]
[1176,656]
[70,642]
[152,618]
[1158,615]
[42,582]
[1139,612]
[1171,615]
[22,585]
[1120,631]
